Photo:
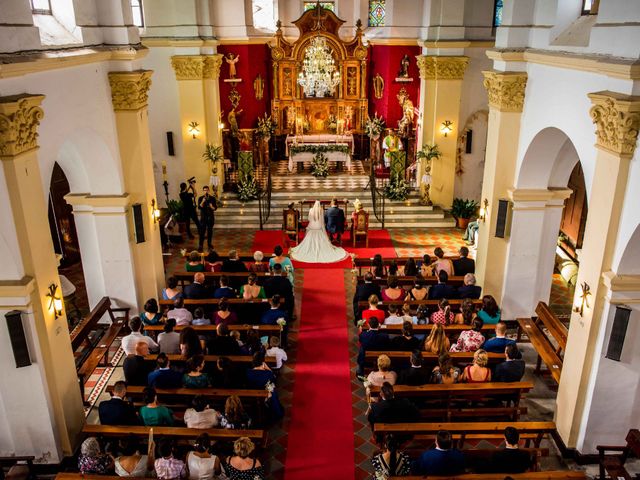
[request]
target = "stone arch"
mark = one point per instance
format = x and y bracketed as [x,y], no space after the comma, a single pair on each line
[470,166]
[630,261]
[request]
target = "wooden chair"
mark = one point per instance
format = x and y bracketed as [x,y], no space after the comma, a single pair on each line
[291,224]
[613,465]
[360,227]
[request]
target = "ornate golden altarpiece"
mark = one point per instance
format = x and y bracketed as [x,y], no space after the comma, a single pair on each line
[289,104]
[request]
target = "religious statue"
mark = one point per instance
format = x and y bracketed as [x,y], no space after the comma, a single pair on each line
[391,143]
[232,59]
[404,67]
[348,118]
[425,197]
[233,122]
[258,87]
[378,86]
[286,82]
[406,122]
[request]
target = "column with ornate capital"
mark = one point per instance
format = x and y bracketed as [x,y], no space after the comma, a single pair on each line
[212,109]
[129,95]
[440,92]
[617,121]
[42,401]
[506,100]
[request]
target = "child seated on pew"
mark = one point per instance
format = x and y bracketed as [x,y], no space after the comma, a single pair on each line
[393,318]
[274,350]
[199,319]
[167,467]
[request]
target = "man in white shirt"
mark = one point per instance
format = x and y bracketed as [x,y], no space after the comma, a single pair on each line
[275,351]
[181,315]
[129,342]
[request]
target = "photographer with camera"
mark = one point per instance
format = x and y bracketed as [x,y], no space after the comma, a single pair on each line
[188,198]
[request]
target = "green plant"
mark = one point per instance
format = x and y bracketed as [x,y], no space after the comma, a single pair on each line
[213,154]
[315,149]
[429,152]
[374,126]
[320,165]
[175,208]
[266,126]
[247,189]
[397,188]
[464,208]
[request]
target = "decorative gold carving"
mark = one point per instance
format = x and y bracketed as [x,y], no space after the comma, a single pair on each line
[20,117]
[211,66]
[258,87]
[189,67]
[442,68]
[617,120]
[234,97]
[130,90]
[378,86]
[505,90]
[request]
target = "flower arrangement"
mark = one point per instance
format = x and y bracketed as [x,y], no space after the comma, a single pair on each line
[397,188]
[269,387]
[374,126]
[266,126]
[320,165]
[315,149]
[213,154]
[247,189]
[429,152]
[281,321]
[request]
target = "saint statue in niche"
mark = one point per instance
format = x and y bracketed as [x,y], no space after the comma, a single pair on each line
[378,86]
[406,122]
[232,59]
[233,122]
[404,67]
[351,81]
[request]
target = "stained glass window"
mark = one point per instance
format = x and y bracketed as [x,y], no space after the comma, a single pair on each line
[497,13]
[328,5]
[376,13]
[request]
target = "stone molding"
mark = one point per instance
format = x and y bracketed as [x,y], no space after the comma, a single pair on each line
[130,90]
[538,199]
[212,65]
[442,68]
[98,204]
[617,120]
[20,117]
[17,293]
[188,67]
[505,90]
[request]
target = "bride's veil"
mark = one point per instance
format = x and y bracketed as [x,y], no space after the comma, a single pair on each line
[316,214]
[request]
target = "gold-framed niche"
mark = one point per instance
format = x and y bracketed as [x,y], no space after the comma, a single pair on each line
[289,104]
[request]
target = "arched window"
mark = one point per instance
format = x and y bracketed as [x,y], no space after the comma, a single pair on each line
[264,17]
[377,12]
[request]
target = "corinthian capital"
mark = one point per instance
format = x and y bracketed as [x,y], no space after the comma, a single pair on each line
[130,90]
[188,67]
[617,120]
[442,68]
[20,117]
[505,90]
[211,66]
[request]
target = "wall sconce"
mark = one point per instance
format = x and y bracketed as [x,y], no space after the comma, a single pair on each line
[55,301]
[582,300]
[155,212]
[483,210]
[446,127]
[193,129]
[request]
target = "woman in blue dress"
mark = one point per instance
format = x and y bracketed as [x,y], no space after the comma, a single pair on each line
[151,314]
[279,257]
[171,292]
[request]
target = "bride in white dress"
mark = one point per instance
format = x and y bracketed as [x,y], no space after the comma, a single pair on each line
[316,246]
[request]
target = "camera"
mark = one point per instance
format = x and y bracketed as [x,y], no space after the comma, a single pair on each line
[192,180]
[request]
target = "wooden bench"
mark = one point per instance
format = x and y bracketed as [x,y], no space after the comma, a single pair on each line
[237,359]
[432,304]
[410,281]
[461,431]
[550,475]
[262,329]
[400,358]
[363,262]
[214,277]
[544,348]
[209,302]
[81,331]
[613,465]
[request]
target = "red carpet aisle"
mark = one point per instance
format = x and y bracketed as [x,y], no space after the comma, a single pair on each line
[320,444]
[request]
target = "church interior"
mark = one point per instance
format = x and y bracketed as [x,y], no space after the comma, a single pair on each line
[346,239]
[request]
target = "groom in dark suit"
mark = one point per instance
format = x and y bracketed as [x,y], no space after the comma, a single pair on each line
[334,220]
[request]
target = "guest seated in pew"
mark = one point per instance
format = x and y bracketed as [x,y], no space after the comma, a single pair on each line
[418,292]
[391,462]
[224,315]
[261,377]
[463,265]
[444,315]
[181,315]
[169,340]
[199,318]
[258,266]
[130,341]
[194,376]
[442,460]
[117,411]
[490,312]
[285,264]
[392,271]
[171,292]
[225,375]
[469,289]
[234,416]
[274,350]
[407,316]
[417,374]
[470,340]
[197,290]
[498,343]
[477,372]
[393,291]
[252,343]
[222,343]
[512,369]
[151,314]
[92,461]
[405,342]
[167,466]
[276,284]
[383,374]
[241,466]
[224,290]
[164,376]
[445,372]
[390,409]
[437,342]
[212,262]
[194,262]
[275,313]
[372,312]
[201,415]
[251,290]
[410,268]
[153,414]
[377,267]
[363,292]
[442,263]
[467,313]
[201,464]
[371,339]
[233,264]
[135,368]
[132,463]
[426,267]
[422,314]
[393,318]
[190,343]
[441,289]
[510,459]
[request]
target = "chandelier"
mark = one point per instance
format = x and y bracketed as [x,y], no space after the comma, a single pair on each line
[319,76]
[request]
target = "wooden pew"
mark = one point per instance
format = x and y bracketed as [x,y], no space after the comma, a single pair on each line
[549,475]
[363,262]
[409,281]
[17,469]
[426,329]
[556,328]
[237,359]
[262,329]
[457,358]
[613,465]
[214,277]
[209,302]
[81,331]
[544,348]
[432,304]
[461,431]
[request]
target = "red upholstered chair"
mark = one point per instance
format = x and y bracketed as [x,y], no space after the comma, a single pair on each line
[290,224]
[360,227]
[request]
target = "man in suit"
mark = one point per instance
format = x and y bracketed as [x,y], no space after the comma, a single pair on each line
[464,265]
[372,339]
[278,284]
[441,289]
[510,459]
[117,411]
[442,460]
[334,220]
[224,291]
[363,292]
[163,376]
[233,264]
[207,205]
[512,369]
[197,290]
[417,374]
[392,410]
[135,369]
[498,343]
[222,343]
[469,289]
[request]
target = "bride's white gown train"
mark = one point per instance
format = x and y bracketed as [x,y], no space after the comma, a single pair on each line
[316,246]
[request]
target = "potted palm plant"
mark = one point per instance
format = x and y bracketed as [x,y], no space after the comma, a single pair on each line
[463,210]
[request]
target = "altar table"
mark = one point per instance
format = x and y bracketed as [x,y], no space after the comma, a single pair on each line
[319,139]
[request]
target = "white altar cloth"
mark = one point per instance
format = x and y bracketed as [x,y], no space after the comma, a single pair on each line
[304,157]
[317,139]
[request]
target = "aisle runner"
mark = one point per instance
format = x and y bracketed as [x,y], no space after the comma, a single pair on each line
[320,444]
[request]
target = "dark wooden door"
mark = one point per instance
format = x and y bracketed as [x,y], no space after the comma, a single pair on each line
[61,222]
[574,215]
